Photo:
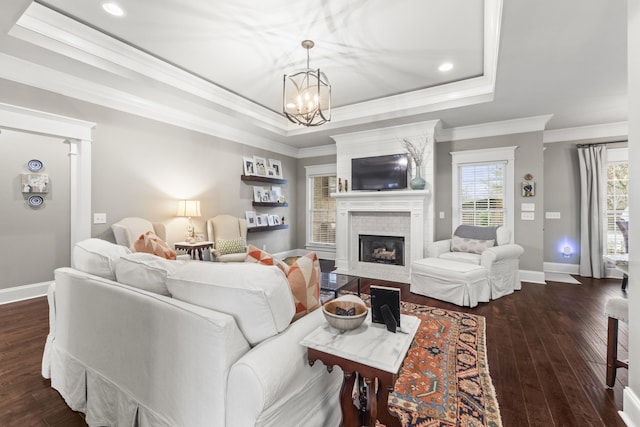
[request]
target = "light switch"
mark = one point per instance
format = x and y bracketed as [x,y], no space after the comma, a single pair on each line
[99,218]
[528,207]
[527,216]
[441,215]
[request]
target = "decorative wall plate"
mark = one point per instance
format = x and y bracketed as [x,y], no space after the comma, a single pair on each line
[34,165]
[35,201]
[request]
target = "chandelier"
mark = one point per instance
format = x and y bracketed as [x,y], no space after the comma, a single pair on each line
[306,95]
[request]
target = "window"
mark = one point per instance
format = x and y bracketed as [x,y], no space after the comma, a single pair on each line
[482,193]
[617,201]
[321,217]
[483,187]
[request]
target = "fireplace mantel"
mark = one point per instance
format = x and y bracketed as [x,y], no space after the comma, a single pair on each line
[411,203]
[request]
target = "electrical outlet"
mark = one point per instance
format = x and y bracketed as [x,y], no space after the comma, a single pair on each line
[441,215]
[552,215]
[528,207]
[99,218]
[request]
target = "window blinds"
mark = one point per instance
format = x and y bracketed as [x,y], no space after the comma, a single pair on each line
[323,210]
[482,193]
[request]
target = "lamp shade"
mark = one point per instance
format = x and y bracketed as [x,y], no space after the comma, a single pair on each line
[190,208]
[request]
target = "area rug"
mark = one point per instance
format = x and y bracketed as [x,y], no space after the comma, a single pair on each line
[560,277]
[445,380]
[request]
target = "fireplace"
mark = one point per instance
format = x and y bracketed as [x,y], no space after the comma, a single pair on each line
[381,249]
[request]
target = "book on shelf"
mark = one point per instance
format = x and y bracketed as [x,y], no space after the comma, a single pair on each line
[385,296]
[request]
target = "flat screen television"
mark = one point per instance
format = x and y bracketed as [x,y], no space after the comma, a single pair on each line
[379,173]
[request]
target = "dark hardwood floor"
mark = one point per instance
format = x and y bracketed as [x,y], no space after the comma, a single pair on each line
[546,353]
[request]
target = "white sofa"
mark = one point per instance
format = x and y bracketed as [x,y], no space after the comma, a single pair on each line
[126,353]
[501,261]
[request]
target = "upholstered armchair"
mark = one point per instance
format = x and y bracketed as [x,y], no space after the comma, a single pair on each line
[128,230]
[488,247]
[229,235]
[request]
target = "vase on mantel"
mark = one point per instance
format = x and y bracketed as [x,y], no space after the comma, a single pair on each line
[418,183]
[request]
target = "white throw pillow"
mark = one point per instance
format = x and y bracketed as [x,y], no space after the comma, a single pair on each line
[257,296]
[473,246]
[97,257]
[146,271]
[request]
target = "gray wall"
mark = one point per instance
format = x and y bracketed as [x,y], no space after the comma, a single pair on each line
[528,159]
[140,167]
[33,241]
[301,208]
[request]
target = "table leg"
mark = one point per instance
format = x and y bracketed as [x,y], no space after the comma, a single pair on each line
[350,416]
[372,404]
[385,417]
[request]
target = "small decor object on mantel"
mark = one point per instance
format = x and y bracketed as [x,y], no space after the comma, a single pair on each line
[416,152]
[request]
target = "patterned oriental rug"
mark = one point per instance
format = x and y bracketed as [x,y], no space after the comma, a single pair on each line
[444,381]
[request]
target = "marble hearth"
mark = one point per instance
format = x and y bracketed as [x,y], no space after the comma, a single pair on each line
[383,213]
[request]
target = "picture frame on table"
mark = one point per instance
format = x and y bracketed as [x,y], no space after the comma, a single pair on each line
[271,220]
[250,216]
[261,165]
[277,167]
[249,166]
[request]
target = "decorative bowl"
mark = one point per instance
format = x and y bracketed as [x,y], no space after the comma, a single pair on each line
[341,321]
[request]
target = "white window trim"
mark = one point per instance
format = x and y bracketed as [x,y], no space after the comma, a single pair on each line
[313,171]
[500,154]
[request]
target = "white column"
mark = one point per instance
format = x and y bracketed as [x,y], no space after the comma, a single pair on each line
[80,191]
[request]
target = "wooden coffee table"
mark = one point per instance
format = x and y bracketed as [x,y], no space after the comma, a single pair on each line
[371,351]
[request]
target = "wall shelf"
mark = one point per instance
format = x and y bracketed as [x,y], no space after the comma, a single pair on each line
[271,204]
[256,178]
[269,228]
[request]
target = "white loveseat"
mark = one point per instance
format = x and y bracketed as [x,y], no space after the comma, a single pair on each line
[125,352]
[501,259]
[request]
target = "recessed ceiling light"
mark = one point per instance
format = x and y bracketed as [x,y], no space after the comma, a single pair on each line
[446,66]
[113,8]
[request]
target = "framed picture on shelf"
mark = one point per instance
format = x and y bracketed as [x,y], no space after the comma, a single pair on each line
[277,167]
[271,172]
[251,219]
[271,220]
[257,194]
[276,220]
[262,220]
[277,191]
[261,165]
[249,166]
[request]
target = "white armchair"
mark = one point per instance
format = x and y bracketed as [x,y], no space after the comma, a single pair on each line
[501,261]
[229,235]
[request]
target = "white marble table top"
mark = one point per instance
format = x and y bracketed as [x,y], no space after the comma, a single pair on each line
[370,344]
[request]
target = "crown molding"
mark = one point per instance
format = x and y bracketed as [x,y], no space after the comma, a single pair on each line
[505,127]
[606,131]
[320,150]
[24,72]
[50,30]
[26,119]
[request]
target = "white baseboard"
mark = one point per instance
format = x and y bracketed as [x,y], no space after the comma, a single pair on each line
[531,276]
[558,267]
[19,293]
[630,413]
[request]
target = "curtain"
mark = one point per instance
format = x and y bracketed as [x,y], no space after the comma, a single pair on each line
[593,209]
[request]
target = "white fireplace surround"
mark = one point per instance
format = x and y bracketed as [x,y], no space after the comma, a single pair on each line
[399,204]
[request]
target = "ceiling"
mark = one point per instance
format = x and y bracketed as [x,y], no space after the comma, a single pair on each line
[217,66]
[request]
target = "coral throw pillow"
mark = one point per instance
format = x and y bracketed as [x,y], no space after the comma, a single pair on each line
[259,256]
[304,279]
[152,244]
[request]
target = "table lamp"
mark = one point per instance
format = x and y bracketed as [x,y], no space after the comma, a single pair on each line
[189,208]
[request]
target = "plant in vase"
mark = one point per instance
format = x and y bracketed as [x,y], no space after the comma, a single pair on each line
[416,152]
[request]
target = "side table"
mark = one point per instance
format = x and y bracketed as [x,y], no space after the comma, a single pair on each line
[371,351]
[194,249]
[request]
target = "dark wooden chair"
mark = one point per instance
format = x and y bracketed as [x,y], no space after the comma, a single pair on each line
[616,309]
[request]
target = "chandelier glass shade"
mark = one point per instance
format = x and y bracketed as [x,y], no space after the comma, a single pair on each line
[307,95]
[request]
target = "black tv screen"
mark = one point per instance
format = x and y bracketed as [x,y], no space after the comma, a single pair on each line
[379,173]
